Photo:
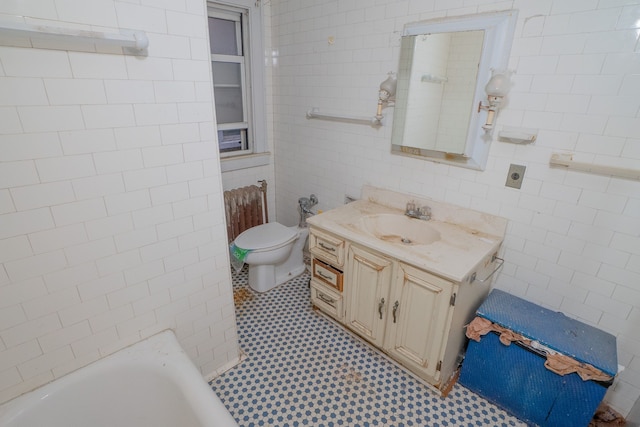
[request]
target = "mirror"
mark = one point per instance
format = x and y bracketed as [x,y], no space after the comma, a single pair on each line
[437,79]
[443,69]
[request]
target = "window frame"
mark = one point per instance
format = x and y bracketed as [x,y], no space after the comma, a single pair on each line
[254,85]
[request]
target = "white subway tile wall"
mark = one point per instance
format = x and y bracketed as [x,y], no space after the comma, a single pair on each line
[111,216]
[573,242]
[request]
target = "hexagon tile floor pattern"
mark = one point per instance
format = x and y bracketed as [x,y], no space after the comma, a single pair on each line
[302,370]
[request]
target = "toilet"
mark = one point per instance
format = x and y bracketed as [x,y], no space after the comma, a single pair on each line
[275,254]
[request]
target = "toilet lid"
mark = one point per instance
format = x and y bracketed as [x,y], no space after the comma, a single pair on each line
[265,236]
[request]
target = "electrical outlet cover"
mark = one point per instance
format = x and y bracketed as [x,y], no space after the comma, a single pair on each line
[515,176]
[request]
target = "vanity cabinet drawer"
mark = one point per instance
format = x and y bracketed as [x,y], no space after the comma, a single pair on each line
[327,274]
[326,299]
[327,247]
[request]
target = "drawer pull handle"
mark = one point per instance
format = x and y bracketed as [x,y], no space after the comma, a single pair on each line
[324,276]
[327,248]
[380,307]
[326,299]
[395,310]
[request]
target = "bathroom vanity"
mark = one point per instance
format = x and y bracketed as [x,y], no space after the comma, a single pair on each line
[406,285]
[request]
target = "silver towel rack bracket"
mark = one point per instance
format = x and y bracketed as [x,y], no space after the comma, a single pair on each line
[494,258]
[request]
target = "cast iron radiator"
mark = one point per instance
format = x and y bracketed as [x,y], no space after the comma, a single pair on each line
[245,207]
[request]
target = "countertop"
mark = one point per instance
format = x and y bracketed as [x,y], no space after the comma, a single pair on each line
[458,253]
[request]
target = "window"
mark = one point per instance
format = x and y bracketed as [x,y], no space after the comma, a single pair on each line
[238,80]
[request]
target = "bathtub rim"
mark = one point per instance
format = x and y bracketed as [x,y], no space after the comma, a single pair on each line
[161,351]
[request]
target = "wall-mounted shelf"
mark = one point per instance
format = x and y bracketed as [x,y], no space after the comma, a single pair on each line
[518,136]
[136,40]
[374,121]
[566,160]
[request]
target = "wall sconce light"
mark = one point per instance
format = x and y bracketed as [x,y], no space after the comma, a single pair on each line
[387,93]
[497,88]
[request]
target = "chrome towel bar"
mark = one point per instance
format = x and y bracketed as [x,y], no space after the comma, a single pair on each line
[494,258]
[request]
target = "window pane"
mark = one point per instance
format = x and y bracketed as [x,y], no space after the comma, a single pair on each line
[222,37]
[228,92]
[226,73]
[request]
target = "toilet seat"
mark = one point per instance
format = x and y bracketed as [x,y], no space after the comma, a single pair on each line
[272,235]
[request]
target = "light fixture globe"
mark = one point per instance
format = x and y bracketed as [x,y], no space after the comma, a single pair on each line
[497,88]
[498,85]
[388,87]
[386,94]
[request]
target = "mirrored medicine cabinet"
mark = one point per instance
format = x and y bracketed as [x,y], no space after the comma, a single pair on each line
[443,69]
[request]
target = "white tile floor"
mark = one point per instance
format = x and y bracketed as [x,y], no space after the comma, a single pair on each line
[302,370]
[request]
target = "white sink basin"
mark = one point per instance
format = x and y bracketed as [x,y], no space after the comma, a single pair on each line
[398,229]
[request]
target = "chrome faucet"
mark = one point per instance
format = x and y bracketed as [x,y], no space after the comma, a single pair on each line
[304,207]
[413,211]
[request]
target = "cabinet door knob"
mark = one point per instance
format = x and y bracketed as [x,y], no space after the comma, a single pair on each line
[380,307]
[395,310]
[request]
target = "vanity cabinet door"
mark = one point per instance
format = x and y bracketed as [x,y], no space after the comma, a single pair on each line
[367,291]
[418,320]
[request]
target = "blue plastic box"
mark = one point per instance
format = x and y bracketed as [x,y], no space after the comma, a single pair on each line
[514,377]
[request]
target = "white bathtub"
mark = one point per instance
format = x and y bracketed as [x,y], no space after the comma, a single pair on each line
[152,383]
